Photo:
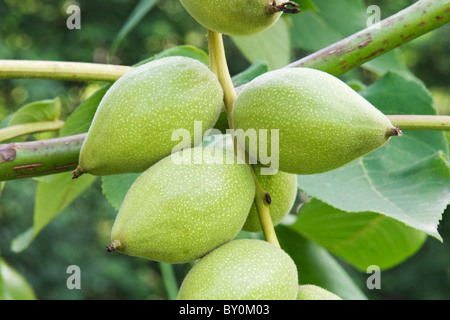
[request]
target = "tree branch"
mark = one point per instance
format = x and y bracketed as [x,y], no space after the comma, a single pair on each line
[38,158]
[421,122]
[378,39]
[219,66]
[262,202]
[74,71]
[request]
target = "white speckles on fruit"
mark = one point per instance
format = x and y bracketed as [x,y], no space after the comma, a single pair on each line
[132,128]
[323,123]
[176,213]
[245,269]
[281,188]
[313,292]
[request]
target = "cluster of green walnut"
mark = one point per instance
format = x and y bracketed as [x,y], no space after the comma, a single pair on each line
[192,209]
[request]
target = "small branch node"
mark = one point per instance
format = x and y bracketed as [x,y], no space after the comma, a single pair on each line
[267,198]
[286,7]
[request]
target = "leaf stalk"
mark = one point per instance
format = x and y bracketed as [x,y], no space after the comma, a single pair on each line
[219,66]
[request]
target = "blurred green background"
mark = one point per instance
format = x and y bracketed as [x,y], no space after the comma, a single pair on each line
[36,30]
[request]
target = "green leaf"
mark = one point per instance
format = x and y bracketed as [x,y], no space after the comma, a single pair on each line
[51,198]
[36,117]
[169,280]
[139,12]
[390,61]
[361,238]
[115,187]
[13,286]
[305,5]
[80,120]
[310,32]
[45,110]
[317,266]
[332,21]
[272,45]
[2,290]
[2,186]
[4,122]
[407,179]
[254,70]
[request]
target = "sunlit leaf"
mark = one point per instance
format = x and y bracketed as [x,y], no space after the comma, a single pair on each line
[408,179]
[139,12]
[361,238]
[115,187]
[51,198]
[317,266]
[272,45]
[13,285]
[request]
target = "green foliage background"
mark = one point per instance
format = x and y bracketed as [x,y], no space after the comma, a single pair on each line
[36,30]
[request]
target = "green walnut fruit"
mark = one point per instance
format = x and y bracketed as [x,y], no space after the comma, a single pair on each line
[312,119]
[183,206]
[313,292]
[281,186]
[237,17]
[133,125]
[245,269]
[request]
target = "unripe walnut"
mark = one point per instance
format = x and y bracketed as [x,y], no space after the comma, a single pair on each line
[237,17]
[245,269]
[133,125]
[322,123]
[183,207]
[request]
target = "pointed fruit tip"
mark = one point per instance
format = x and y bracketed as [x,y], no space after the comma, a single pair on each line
[77,172]
[395,131]
[113,246]
[267,198]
